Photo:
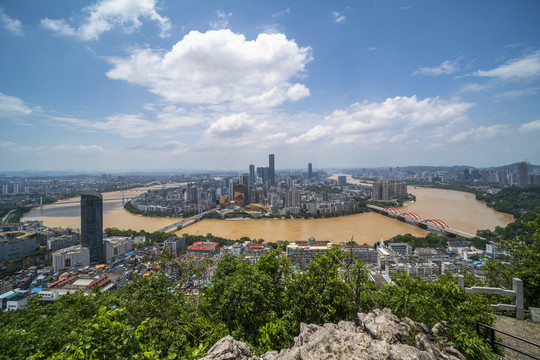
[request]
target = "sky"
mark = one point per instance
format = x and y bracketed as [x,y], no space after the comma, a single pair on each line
[120,85]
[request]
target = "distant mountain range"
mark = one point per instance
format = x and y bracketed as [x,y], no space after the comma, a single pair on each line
[170,172]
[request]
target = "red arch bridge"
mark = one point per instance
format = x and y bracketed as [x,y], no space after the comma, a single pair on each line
[432,224]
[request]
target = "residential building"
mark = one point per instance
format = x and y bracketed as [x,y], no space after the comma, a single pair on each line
[116,246]
[175,244]
[14,244]
[302,252]
[69,257]
[206,248]
[401,248]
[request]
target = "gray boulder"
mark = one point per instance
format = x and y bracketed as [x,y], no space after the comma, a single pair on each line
[381,335]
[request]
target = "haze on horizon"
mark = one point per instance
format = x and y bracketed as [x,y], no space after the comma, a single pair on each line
[161,84]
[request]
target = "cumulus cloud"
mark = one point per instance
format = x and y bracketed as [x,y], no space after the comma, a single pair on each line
[447,67]
[107,15]
[10,24]
[521,68]
[316,133]
[338,18]
[231,126]
[530,126]
[481,132]
[219,67]
[13,106]
[380,121]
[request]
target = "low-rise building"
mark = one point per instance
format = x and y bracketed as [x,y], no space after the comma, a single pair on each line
[69,257]
[401,248]
[365,252]
[302,252]
[206,248]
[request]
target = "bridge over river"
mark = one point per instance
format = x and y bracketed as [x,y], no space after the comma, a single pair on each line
[436,225]
[184,222]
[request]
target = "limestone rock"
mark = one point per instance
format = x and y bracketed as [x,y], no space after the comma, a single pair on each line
[381,335]
[228,349]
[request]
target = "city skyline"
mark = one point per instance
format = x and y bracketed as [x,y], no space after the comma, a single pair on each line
[162,85]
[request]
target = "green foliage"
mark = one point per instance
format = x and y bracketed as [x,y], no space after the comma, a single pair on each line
[442,301]
[431,240]
[262,305]
[523,264]
[514,200]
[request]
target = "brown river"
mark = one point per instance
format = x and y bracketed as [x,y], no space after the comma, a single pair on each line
[459,210]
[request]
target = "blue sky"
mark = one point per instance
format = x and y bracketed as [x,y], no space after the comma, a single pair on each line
[116,85]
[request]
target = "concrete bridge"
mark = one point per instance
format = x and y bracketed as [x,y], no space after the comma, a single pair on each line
[184,222]
[428,224]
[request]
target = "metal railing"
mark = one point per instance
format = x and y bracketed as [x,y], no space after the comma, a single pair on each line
[493,342]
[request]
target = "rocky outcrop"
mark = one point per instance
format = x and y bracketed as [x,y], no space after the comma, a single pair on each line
[381,335]
[228,349]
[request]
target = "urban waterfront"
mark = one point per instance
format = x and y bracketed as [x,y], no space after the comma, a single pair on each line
[458,209]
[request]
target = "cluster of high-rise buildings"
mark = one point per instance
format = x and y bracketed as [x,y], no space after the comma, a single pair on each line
[259,189]
[389,189]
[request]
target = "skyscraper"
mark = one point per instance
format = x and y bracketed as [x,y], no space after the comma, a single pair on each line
[524,176]
[92,224]
[271,170]
[251,174]
[309,171]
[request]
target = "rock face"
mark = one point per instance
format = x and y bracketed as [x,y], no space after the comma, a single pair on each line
[381,335]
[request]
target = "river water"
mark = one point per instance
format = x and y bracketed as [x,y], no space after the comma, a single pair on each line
[459,210]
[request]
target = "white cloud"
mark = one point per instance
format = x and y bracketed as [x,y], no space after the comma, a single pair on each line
[447,67]
[530,126]
[317,133]
[481,132]
[372,48]
[516,93]
[522,68]
[220,67]
[172,147]
[380,122]
[234,125]
[125,125]
[338,17]
[222,20]
[10,24]
[59,26]
[81,149]
[474,87]
[13,106]
[283,12]
[106,15]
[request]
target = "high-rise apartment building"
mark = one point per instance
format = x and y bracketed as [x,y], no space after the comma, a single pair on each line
[342,180]
[524,175]
[271,170]
[92,224]
[309,171]
[251,173]
[389,189]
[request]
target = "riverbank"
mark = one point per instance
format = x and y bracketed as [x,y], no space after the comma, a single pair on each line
[459,210]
